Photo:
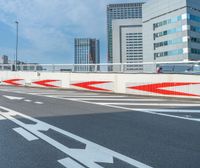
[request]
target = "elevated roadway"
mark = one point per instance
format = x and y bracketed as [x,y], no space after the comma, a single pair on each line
[46,128]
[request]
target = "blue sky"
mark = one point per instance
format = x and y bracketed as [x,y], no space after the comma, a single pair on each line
[47,28]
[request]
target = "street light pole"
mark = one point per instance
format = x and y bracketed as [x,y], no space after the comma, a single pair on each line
[16,54]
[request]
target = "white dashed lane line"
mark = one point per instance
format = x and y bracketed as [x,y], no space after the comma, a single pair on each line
[171,107]
[154,104]
[38,102]
[27,100]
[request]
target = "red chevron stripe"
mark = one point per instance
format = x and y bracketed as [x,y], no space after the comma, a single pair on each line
[46,83]
[88,85]
[159,88]
[13,82]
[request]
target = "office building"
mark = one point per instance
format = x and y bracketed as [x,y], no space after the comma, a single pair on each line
[4,59]
[171,30]
[120,11]
[127,43]
[86,52]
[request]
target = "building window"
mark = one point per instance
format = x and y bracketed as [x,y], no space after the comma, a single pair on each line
[195,29]
[195,51]
[167,32]
[166,22]
[169,42]
[195,40]
[193,18]
[168,53]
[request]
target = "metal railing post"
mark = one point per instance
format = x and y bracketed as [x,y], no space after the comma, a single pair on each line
[122,67]
[95,68]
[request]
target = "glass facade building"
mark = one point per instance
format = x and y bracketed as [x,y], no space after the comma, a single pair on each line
[86,52]
[120,11]
[171,30]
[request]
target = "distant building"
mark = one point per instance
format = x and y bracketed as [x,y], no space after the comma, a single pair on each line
[4,59]
[86,52]
[120,11]
[171,30]
[127,43]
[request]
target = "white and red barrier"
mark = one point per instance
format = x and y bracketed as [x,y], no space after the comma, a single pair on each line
[105,86]
[170,85]
[14,82]
[50,83]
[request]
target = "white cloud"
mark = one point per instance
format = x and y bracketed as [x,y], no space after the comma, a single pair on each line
[50,25]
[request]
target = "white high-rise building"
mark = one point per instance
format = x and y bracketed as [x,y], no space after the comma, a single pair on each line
[127,43]
[120,11]
[171,30]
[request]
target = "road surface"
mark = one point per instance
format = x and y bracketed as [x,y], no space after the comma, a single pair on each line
[45,128]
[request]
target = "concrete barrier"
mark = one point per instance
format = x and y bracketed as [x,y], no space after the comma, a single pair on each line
[170,85]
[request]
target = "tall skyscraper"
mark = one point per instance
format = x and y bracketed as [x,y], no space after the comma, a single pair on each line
[171,30]
[86,52]
[120,11]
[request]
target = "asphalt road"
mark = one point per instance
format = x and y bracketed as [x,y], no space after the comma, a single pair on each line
[43,128]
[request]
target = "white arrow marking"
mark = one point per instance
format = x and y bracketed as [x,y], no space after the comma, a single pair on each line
[2,118]
[89,157]
[69,163]
[27,135]
[13,98]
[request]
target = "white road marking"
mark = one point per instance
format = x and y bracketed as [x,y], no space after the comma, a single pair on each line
[2,118]
[152,112]
[126,108]
[140,100]
[6,90]
[38,102]
[13,98]
[69,163]
[89,96]
[33,93]
[19,91]
[90,156]
[152,104]
[139,110]
[27,100]
[27,135]
[174,110]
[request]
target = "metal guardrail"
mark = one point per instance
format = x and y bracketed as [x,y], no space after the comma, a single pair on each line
[187,67]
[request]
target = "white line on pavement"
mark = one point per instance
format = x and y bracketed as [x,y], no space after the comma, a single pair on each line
[174,110]
[13,97]
[90,156]
[140,100]
[126,108]
[140,110]
[89,96]
[27,100]
[2,118]
[153,104]
[33,93]
[38,102]
[69,163]
[27,135]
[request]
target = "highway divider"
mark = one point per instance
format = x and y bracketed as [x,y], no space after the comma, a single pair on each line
[168,85]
